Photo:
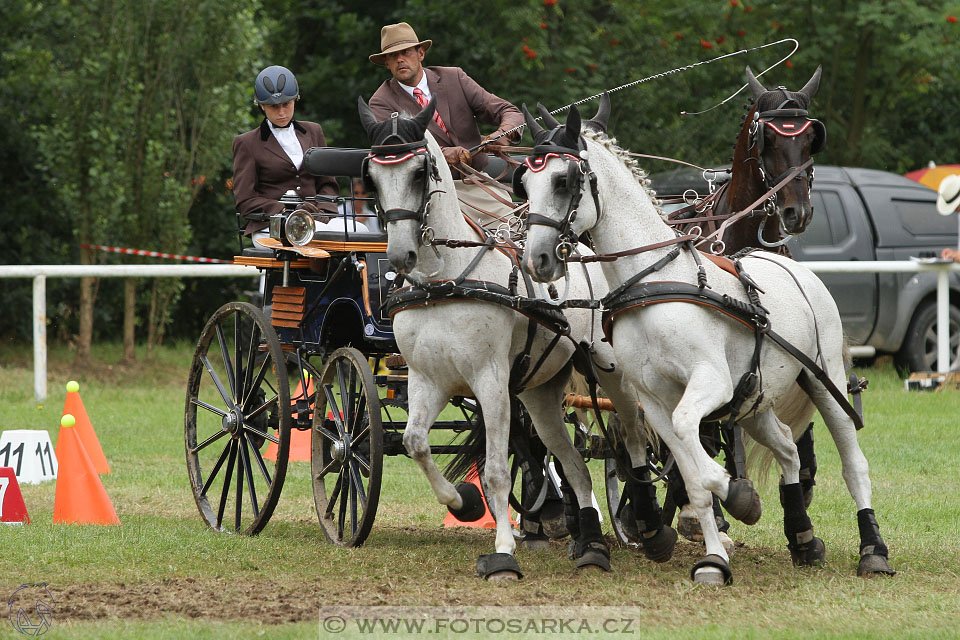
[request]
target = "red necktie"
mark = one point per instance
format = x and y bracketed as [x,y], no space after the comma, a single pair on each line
[422,101]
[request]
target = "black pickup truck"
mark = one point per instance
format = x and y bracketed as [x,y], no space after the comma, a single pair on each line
[864,214]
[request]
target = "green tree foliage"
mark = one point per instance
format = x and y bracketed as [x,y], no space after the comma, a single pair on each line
[119,114]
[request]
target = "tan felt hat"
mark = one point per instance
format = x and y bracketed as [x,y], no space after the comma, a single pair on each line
[397,37]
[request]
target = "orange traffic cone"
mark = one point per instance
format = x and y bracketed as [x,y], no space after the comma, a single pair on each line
[299,439]
[487,521]
[80,497]
[74,406]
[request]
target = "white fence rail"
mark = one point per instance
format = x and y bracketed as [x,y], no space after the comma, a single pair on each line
[40,273]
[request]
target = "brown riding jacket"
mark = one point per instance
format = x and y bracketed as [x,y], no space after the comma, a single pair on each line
[262,171]
[461,103]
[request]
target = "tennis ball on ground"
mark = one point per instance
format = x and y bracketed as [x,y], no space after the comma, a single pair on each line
[73,386]
[67,420]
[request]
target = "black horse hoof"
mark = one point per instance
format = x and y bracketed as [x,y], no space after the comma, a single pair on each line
[743,501]
[713,571]
[497,567]
[473,507]
[659,548]
[873,565]
[595,556]
[809,554]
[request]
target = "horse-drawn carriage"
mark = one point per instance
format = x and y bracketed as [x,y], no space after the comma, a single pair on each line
[319,355]
[340,301]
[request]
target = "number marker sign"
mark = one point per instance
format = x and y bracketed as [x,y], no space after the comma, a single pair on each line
[30,454]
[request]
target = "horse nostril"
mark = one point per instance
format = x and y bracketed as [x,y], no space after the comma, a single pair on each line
[411,260]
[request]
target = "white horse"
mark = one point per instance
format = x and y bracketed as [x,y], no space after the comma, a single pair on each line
[577,184]
[468,347]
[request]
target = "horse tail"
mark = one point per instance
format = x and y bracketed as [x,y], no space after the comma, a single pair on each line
[795,410]
[472,450]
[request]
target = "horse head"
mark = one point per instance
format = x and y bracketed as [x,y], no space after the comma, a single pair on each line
[557,177]
[402,170]
[780,137]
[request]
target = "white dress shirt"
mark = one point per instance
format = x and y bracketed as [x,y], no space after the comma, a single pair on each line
[287,138]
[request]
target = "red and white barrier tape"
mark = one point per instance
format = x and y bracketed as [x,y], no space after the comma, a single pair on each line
[153,254]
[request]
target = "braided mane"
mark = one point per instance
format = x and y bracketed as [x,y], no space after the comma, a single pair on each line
[610,144]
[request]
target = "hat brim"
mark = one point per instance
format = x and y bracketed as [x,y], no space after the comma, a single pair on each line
[381,58]
[948,195]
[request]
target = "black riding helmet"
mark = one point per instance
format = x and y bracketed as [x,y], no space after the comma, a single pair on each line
[276,85]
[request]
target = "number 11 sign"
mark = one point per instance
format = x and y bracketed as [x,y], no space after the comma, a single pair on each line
[30,454]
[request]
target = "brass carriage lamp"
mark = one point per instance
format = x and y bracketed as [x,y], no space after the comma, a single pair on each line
[292,226]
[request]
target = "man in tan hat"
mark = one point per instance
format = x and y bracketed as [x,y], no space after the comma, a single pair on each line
[461,104]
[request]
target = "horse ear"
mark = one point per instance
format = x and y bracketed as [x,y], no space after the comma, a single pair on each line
[423,118]
[810,89]
[548,118]
[367,119]
[603,112]
[574,122]
[532,125]
[755,87]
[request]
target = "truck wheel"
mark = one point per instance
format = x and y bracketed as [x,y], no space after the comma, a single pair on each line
[919,349]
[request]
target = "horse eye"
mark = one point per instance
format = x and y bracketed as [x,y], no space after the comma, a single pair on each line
[560,183]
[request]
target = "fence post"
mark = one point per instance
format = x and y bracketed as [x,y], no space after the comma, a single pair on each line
[40,337]
[943,321]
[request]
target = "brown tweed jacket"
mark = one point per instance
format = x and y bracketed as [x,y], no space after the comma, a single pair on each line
[461,103]
[262,171]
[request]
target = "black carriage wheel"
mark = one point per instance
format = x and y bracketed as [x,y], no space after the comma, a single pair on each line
[346,448]
[237,396]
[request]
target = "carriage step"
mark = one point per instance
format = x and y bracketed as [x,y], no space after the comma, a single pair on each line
[395,361]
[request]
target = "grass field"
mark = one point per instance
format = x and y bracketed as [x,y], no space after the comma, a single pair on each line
[162,573]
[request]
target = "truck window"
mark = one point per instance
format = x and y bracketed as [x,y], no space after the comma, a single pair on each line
[829,225]
[918,218]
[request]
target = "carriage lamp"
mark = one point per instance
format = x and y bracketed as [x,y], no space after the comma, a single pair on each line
[299,228]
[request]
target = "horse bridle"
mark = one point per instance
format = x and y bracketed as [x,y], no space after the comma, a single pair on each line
[578,172]
[387,154]
[789,123]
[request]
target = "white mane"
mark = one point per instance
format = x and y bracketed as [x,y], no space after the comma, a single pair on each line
[610,144]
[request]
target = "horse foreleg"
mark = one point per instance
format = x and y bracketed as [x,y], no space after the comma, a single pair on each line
[856,474]
[425,403]
[542,403]
[642,510]
[714,568]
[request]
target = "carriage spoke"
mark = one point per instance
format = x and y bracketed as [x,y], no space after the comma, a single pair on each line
[353,502]
[261,434]
[227,364]
[208,441]
[248,472]
[262,464]
[327,469]
[344,494]
[237,346]
[247,385]
[362,461]
[338,416]
[326,433]
[216,381]
[361,493]
[253,414]
[259,380]
[216,469]
[333,496]
[226,484]
[359,412]
[238,508]
[208,407]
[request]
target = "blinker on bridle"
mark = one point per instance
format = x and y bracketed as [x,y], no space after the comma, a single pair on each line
[578,171]
[390,154]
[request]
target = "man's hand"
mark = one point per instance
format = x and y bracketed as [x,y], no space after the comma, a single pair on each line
[456,155]
[505,141]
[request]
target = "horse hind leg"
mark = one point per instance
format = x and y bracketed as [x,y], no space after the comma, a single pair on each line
[856,474]
[805,548]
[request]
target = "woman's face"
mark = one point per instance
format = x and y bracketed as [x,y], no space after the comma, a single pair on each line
[279,114]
